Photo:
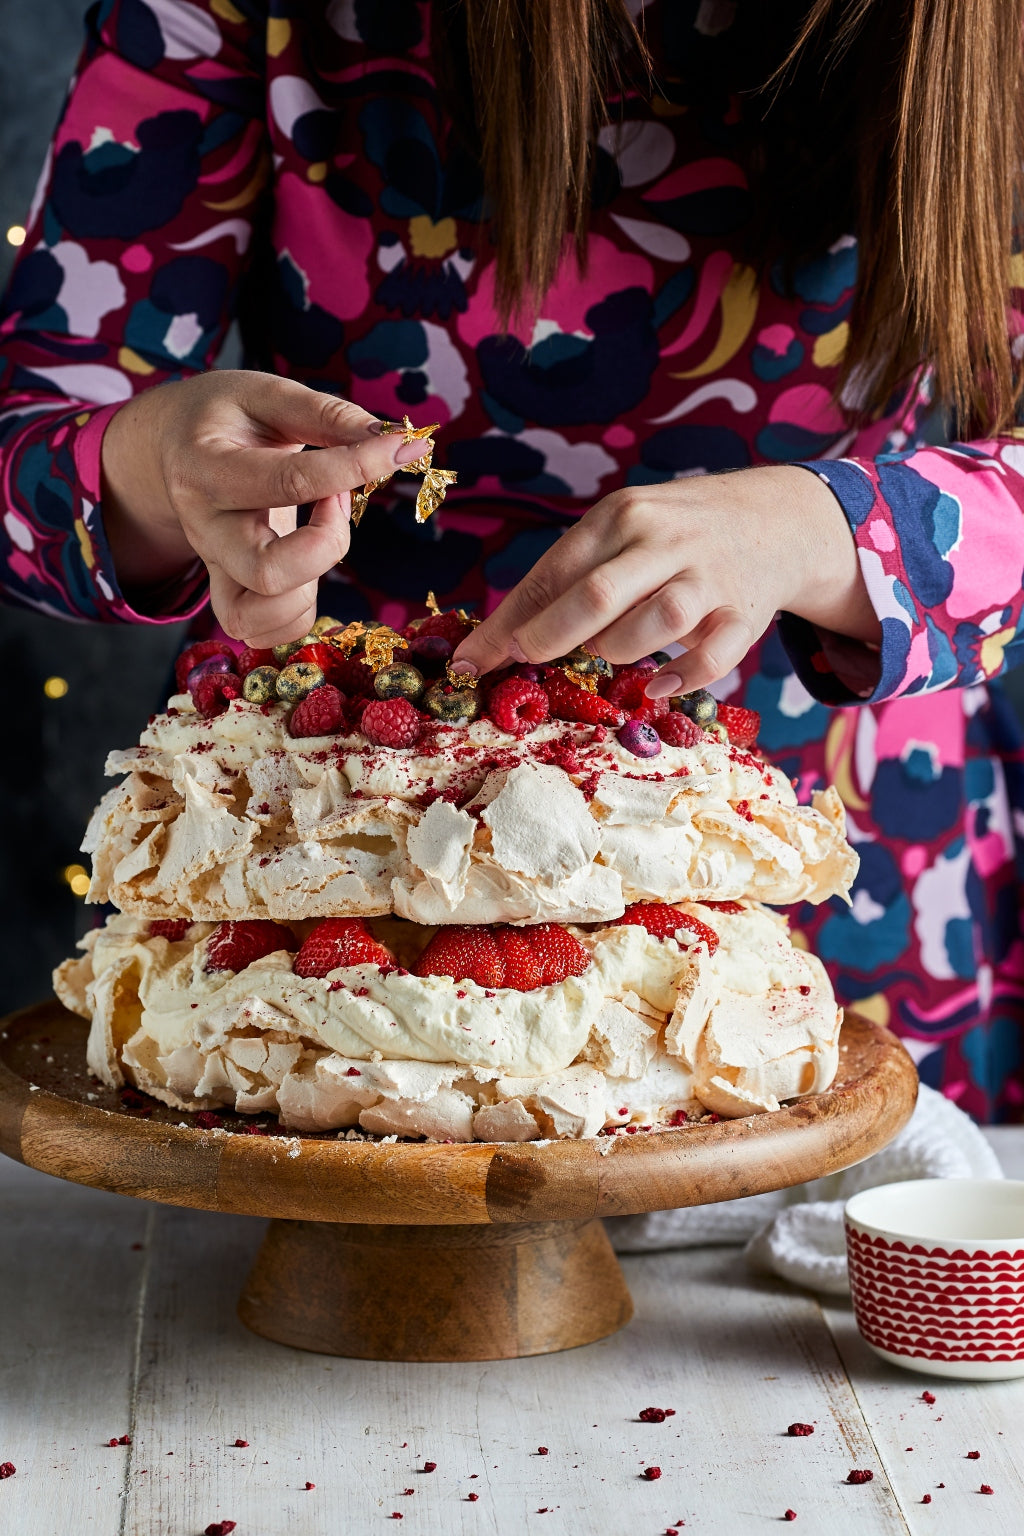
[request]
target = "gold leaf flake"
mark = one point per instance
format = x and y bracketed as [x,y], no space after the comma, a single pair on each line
[432,492]
[380,647]
[585,680]
[433,606]
[346,640]
[460,679]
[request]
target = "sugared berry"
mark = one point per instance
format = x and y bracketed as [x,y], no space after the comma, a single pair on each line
[586,663]
[260,685]
[640,738]
[699,705]
[298,679]
[391,723]
[446,702]
[323,624]
[320,713]
[518,706]
[678,730]
[399,681]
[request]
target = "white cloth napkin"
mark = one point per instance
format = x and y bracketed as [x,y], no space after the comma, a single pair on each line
[798,1233]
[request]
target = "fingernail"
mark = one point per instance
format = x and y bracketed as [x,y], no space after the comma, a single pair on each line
[377,428]
[516,652]
[663,685]
[464,668]
[414,450]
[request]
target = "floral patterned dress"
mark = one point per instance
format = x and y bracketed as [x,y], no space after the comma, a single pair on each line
[289,162]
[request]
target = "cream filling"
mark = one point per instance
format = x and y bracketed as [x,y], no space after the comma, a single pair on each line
[233,818]
[650,1027]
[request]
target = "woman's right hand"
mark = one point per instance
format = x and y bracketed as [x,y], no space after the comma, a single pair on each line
[212,466]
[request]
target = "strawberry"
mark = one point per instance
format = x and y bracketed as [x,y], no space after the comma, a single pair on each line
[523,968]
[195,654]
[170,928]
[560,955]
[253,657]
[320,713]
[664,921]
[741,724]
[233,946]
[568,701]
[678,730]
[340,941]
[465,954]
[518,706]
[723,906]
[320,655]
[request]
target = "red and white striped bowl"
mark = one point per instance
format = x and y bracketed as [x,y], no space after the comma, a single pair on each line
[937,1275]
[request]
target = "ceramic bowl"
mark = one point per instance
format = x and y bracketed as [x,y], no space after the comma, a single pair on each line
[937,1275]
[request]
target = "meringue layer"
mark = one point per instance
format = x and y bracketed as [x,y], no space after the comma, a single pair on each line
[232,818]
[651,1027]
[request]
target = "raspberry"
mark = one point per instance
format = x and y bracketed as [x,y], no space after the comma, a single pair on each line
[170,928]
[465,954]
[251,658]
[626,689]
[448,625]
[214,692]
[560,955]
[678,730]
[339,941]
[320,713]
[742,725]
[568,701]
[353,677]
[518,706]
[523,969]
[196,653]
[233,946]
[663,922]
[354,711]
[392,723]
[7,1469]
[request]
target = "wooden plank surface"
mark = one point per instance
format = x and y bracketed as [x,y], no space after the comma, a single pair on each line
[99,1339]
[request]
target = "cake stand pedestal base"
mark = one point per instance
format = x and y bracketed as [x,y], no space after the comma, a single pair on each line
[435,1293]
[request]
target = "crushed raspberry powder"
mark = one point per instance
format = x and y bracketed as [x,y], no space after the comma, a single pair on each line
[309,1486]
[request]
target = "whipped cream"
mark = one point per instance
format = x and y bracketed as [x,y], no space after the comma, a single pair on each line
[651,1027]
[232,818]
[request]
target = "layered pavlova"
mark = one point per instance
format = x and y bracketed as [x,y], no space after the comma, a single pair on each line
[360,894]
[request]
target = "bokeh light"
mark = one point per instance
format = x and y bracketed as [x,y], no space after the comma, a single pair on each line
[55,687]
[77,877]
[16,235]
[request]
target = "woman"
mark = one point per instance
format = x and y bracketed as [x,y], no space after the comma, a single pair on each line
[608,264]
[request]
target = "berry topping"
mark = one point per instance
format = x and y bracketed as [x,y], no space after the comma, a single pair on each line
[741,724]
[465,954]
[214,692]
[220,1528]
[260,685]
[316,652]
[699,705]
[208,665]
[626,689]
[349,674]
[253,657]
[652,1415]
[447,702]
[170,928]
[860,1475]
[798,1430]
[568,701]
[340,941]
[196,653]
[664,922]
[724,906]
[651,1474]
[639,738]
[233,946]
[519,958]
[321,713]
[399,681]
[447,625]
[7,1469]
[298,679]
[391,723]
[518,706]
[678,730]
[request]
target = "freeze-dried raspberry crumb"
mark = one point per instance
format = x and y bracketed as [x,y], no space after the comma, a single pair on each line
[391,723]
[396,1515]
[518,706]
[209,1120]
[471,1498]
[430,1466]
[653,1415]
[309,1486]
[790,1514]
[542,1450]
[7,1469]
[800,1429]
[927,1499]
[125,1440]
[985,1488]
[241,1444]
[973,1455]
[651,1474]
[927,1397]
[860,1475]
[220,1528]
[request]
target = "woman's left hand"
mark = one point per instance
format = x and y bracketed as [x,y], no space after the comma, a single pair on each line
[706,562]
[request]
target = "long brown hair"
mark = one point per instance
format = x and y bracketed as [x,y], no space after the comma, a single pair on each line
[932,105]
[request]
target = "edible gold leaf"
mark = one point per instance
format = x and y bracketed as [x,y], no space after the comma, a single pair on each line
[346,640]
[460,679]
[432,492]
[380,647]
[582,679]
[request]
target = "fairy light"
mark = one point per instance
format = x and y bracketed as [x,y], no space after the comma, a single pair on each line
[55,687]
[16,235]
[77,877]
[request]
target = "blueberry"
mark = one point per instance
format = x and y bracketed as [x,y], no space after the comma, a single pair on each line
[209,664]
[639,738]
[699,705]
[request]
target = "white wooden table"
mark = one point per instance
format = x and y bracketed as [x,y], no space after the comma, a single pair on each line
[117,1318]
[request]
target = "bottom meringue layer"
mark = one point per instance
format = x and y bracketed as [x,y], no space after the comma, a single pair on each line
[653,1030]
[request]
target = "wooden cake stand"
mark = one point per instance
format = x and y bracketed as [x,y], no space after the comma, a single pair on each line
[423,1251]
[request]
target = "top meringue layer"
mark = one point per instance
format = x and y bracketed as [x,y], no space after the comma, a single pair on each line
[233,818]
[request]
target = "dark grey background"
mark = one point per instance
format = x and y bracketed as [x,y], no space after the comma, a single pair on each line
[51,764]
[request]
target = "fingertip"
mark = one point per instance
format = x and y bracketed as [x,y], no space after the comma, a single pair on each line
[663,685]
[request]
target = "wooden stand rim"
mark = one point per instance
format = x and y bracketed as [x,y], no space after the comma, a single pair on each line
[405,1183]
